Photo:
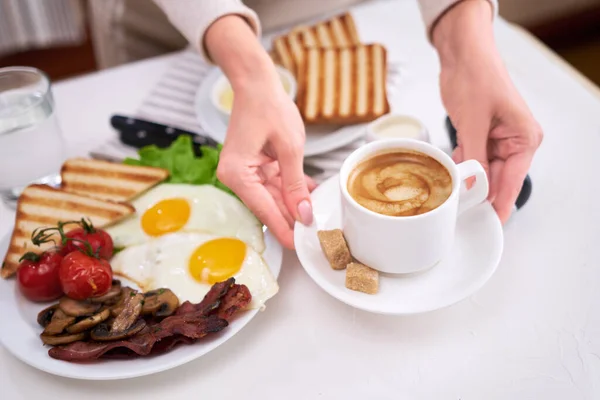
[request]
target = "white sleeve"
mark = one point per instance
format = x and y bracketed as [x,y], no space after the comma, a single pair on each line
[193,17]
[432,10]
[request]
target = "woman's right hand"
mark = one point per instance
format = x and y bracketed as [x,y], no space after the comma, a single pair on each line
[262,157]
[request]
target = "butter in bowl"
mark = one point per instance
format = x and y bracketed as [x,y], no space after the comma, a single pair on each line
[222,92]
[397,126]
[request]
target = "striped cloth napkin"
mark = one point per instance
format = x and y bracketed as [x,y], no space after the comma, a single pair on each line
[171,102]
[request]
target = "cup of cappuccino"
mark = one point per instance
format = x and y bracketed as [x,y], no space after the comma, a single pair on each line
[400,202]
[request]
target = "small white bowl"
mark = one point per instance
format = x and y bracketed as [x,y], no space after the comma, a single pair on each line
[397,126]
[222,84]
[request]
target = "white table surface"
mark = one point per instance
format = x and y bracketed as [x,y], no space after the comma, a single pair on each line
[532,332]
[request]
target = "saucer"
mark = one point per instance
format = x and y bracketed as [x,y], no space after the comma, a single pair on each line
[474,258]
[320,139]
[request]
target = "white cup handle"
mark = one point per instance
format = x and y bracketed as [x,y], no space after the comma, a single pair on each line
[479,191]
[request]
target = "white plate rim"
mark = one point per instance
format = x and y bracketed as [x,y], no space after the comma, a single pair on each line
[205,113]
[313,271]
[156,364]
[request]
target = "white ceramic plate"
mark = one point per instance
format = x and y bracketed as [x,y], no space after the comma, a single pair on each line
[476,254]
[319,140]
[19,334]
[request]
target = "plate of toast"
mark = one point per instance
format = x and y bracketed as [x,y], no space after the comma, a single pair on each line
[341,83]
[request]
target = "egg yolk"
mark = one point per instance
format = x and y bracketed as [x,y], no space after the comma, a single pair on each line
[217,260]
[166,216]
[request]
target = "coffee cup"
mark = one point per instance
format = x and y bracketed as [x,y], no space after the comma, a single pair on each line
[422,232]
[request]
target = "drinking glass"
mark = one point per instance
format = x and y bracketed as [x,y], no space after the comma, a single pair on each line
[32,148]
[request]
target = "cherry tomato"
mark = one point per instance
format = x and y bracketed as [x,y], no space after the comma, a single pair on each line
[100,242]
[83,276]
[38,278]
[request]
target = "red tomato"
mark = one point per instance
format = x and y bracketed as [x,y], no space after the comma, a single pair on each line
[100,242]
[38,278]
[82,276]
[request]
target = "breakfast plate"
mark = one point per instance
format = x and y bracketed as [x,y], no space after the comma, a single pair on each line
[319,139]
[20,336]
[474,258]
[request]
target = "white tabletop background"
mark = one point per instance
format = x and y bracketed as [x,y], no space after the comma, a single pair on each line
[532,332]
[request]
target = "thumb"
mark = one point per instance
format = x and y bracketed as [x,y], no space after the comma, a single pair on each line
[511,181]
[473,143]
[296,195]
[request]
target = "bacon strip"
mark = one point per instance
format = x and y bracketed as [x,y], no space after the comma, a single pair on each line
[141,344]
[210,302]
[167,344]
[237,298]
[189,323]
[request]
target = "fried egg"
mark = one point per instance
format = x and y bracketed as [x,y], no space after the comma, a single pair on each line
[169,208]
[190,263]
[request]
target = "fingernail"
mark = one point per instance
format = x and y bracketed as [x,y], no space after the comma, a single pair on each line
[305,212]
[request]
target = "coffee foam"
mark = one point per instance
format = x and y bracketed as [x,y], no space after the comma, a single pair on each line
[400,183]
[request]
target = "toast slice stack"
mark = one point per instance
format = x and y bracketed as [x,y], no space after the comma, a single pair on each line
[107,180]
[343,85]
[43,206]
[336,32]
[340,79]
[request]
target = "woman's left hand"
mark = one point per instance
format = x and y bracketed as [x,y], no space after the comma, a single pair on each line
[494,125]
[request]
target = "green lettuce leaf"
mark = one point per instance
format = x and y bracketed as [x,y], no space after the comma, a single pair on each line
[181,162]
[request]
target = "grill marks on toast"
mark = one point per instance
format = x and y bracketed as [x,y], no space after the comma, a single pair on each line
[329,71]
[339,31]
[43,206]
[343,85]
[340,80]
[313,83]
[379,74]
[109,181]
[362,82]
[92,189]
[347,68]
[283,54]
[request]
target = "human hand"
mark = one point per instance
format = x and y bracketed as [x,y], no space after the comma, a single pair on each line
[262,159]
[494,125]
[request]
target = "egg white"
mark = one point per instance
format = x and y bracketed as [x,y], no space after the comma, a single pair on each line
[212,211]
[164,263]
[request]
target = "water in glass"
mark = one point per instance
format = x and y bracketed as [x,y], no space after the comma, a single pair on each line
[31,144]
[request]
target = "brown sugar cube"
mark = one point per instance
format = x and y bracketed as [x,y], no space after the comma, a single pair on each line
[361,278]
[335,248]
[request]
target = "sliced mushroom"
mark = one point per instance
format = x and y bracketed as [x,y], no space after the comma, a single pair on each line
[117,308]
[58,323]
[45,316]
[132,308]
[160,303]
[89,322]
[103,333]
[76,308]
[111,297]
[62,339]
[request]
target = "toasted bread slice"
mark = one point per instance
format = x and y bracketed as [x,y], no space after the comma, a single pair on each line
[343,85]
[107,180]
[42,206]
[339,31]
